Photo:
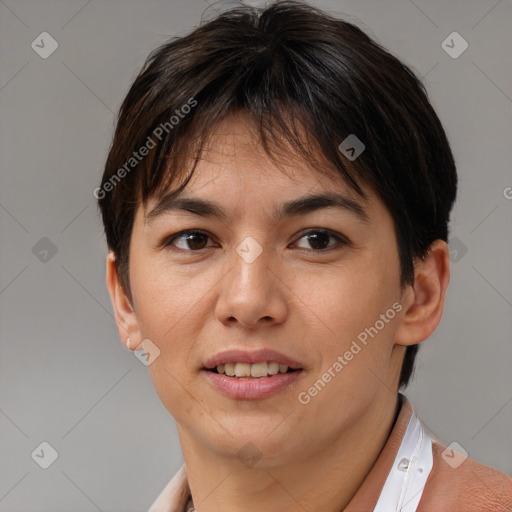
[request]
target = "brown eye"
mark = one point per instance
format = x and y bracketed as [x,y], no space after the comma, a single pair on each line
[190,240]
[318,240]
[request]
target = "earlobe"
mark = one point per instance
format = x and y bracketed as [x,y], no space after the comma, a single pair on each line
[125,317]
[424,299]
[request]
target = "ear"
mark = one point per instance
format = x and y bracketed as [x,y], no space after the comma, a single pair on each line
[126,320]
[423,301]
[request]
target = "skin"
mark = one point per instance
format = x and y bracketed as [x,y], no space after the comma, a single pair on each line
[309,306]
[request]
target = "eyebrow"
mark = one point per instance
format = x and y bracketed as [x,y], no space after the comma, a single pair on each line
[299,206]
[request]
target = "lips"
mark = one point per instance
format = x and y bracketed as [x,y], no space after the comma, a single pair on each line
[250,357]
[221,370]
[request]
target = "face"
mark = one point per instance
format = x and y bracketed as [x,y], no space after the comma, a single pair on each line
[318,285]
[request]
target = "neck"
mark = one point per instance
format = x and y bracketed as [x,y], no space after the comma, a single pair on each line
[326,482]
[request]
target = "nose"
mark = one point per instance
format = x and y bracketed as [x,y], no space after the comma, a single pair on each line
[252,293]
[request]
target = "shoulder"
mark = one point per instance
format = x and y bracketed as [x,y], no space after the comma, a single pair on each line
[176,494]
[461,484]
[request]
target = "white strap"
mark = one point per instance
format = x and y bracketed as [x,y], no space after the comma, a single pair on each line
[173,497]
[405,483]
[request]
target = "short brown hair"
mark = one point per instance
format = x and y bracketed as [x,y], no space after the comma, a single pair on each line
[284,64]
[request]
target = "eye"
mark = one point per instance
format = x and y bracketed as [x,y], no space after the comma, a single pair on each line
[192,240]
[319,240]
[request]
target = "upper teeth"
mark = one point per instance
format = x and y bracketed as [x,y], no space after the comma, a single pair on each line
[252,370]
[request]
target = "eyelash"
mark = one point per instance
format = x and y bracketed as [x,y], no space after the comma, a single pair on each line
[341,240]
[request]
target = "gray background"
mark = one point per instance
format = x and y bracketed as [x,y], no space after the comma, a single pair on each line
[65,377]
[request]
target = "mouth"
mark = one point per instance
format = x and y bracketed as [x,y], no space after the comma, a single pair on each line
[261,370]
[250,375]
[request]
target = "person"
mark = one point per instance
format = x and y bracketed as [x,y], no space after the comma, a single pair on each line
[276,203]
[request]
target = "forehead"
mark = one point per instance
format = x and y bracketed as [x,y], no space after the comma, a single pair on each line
[238,180]
[234,159]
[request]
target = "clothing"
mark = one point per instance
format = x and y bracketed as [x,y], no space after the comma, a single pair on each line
[413,473]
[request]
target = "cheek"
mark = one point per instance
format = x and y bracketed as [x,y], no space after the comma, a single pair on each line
[170,382]
[353,350]
[345,301]
[165,300]
[347,304]
[167,307]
